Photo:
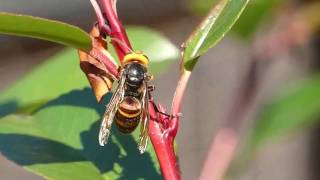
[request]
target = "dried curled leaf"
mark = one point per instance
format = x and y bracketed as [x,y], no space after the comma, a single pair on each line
[99,76]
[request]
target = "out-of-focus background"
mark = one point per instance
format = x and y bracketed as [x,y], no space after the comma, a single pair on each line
[269,35]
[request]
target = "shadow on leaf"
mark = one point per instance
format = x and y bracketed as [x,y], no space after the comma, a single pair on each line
[7,108]
[121,150]
[28,150]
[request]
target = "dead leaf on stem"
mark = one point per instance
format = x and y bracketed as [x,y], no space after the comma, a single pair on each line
[97,74]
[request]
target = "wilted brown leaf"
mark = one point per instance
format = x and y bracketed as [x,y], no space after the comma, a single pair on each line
[98,76]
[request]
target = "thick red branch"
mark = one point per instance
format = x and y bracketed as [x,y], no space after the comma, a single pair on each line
[163,130]
[163,145]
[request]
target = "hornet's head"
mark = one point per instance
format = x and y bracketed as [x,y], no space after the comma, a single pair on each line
[135,74]
[136,64]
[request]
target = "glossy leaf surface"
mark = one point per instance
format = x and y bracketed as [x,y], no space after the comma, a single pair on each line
[257,11]
[212,30]
[45,29]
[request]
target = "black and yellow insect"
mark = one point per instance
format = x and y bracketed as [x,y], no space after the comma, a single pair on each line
[129,103]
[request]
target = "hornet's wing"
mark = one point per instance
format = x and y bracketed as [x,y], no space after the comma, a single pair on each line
[143,140]
[110,112]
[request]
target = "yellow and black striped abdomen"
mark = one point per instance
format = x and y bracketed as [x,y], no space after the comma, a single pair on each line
[128,115]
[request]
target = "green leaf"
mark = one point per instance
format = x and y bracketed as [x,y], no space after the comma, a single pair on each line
[40,28]
[212,29]
[25,141]
[256,12]
[50,122]
[296,110]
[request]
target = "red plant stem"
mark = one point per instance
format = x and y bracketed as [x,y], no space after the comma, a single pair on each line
[163,145]
[117,30]
[163,130]
[162,137]
[162,133]
[179,93]
[177,100]
[101,21]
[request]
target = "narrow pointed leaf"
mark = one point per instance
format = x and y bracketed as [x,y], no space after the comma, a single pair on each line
[256,12]
[45,29]
[218,22]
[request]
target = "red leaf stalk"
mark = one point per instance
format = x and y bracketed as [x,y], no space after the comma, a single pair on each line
[119,36]
[100,18]
[179,93]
